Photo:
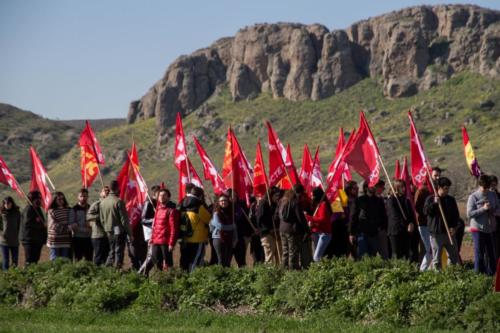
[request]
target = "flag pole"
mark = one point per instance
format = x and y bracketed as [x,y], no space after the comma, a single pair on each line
[50,182]
[392,187]
[430,180]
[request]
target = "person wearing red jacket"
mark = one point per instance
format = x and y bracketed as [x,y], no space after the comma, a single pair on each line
[320,223]
[165,231]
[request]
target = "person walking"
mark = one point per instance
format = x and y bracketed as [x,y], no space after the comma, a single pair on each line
[400,221]
[81,242]
[223,230]
[114,218]
[165,231]
[59,237]
[438,234]
[98,237]
[482,206]
[320,223]
[33,228]
[10,222]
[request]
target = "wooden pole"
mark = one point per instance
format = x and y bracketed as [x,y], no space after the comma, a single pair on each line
[392,187]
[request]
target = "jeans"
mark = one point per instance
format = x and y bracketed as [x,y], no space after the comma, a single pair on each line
[14,252]
[192,255]
[438,242]
[320,241]
[484,254]
[58,252]
[426,239]
[368,245]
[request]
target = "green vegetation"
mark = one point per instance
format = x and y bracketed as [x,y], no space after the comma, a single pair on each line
[386,294]
[441,110]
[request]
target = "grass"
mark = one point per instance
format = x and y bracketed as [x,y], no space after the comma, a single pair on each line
[51,320]
[442,110]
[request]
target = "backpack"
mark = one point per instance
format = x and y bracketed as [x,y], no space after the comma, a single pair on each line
[185,227]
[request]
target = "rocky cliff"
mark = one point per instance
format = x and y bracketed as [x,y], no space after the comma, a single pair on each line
[409,50]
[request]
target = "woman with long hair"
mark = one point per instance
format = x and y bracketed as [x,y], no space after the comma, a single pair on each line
[59,237]
[223,230]
[10,222]
[320,223]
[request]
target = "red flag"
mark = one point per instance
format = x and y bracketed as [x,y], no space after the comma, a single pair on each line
[405,177]
[397,171]
[39,179]
[335,171]
[186,178]
[133,190]
[291,170]
[209,170]
[259,176]
[470,157]
[418,159]
[277,157]
[306,170]
[363,154]
[180,153]
[234,171]
[7,178]
[316,178]
[88,138]
[187,173]
[346,175]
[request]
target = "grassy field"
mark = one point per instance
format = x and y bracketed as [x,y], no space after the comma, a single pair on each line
[440,111]
[56,321]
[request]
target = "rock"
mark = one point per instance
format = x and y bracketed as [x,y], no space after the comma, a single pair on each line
[212,124]
[440,159]
[409,50]
[443,139]
[487,104]
[447,115]
[469,121]
[384,114]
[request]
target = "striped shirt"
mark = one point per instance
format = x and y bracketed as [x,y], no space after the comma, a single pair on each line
[58,228]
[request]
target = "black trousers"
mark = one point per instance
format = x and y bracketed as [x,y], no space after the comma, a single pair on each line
[137,251]
[224,250]
[192,255]
[116,250]
[161,255]
[101,250]
[240,252]
[82,248]
[400,245]
[257,250]
[32,253]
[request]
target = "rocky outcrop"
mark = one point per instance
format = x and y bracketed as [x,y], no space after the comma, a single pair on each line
[410,50]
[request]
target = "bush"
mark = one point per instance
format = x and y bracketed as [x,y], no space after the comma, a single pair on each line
[370,290]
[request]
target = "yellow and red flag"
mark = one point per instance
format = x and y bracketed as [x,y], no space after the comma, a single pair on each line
[470,157]
[90,156]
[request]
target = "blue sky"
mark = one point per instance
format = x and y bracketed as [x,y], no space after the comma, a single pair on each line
[89,59]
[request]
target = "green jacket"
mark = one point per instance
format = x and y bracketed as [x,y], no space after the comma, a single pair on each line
[113,214]
[94,220]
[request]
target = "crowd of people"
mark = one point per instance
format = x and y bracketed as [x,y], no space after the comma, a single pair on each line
[290,228]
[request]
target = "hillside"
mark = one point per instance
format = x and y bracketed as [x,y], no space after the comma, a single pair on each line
[19,129]
[96,124]
[439,112]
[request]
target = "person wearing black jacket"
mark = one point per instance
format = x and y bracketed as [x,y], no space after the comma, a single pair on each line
[267,224]
[368,217]
[437,229]
[400,221]
[33,229]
